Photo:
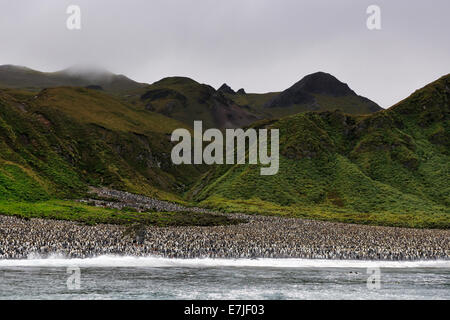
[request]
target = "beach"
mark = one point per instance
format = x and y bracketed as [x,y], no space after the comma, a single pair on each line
[260,237]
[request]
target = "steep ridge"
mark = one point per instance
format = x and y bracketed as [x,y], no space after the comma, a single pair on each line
[187,100]
[319,91]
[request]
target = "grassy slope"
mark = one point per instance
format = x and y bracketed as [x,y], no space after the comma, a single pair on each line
[56,143]
[389,168]
[71,211]
[194,108]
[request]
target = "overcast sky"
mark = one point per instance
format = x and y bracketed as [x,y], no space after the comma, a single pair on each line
[260,45]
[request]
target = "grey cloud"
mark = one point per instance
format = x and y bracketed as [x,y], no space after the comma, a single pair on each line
[261,45]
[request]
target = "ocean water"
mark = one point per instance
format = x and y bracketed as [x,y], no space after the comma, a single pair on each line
[110,277]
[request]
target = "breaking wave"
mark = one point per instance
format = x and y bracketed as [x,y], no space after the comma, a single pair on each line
[160,262]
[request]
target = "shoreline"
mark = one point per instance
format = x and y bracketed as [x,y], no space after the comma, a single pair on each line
[260,237]
[162,262]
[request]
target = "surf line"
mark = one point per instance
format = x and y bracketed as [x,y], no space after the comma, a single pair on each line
[235,147]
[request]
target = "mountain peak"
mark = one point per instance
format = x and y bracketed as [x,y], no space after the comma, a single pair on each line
[306,91]
[323,83]
[226,89]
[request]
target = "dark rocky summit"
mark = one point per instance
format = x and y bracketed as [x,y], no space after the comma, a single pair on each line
[323,83]
[319,83]
[226,89]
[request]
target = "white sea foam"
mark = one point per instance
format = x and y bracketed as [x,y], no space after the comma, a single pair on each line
[159,262]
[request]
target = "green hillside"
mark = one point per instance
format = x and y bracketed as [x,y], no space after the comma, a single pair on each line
[389,168]
[59,141]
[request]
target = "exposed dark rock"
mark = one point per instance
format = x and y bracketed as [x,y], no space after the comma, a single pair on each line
[220,98]
[149,107]
[206,93]
[241,91]
[226,89]
[94,87]
[137,232]
[21,107]
[227,114]
[323,83]
[168,108]
[302,92]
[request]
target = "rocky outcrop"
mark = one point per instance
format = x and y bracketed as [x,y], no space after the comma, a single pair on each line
[226,89]
[305,91]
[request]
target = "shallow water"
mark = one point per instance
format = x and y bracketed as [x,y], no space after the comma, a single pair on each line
[162,278]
